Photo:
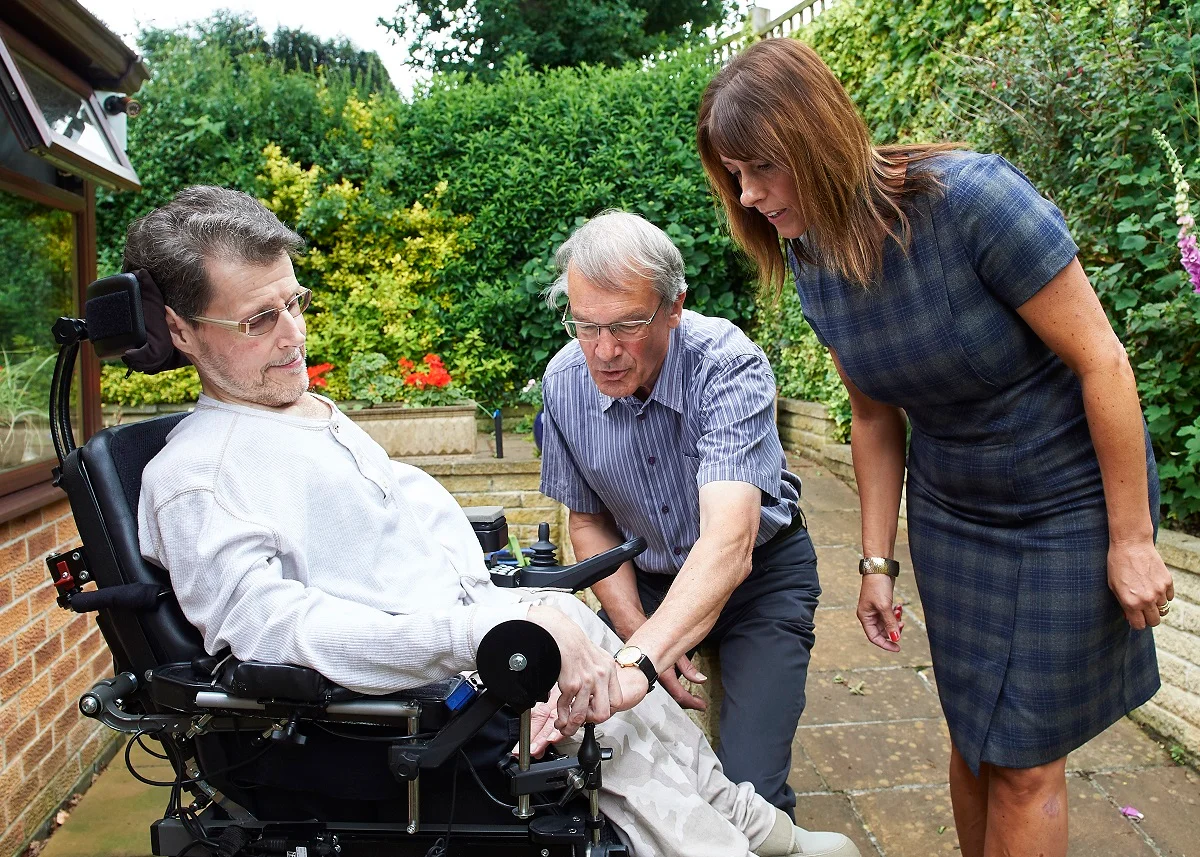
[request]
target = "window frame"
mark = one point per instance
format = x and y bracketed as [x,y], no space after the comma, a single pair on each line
[83,211]
[35,135]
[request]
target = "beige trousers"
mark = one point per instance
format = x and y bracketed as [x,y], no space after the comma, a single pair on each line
[664,790]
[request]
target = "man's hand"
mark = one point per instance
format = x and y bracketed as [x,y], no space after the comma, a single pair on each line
[542,730]
[675,687]
[588,681]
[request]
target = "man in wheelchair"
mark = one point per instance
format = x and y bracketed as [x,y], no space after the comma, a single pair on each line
[291,538]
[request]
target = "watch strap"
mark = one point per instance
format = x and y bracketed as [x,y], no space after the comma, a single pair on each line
[647,668]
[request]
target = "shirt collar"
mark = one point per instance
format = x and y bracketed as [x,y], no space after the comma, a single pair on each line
[668,389]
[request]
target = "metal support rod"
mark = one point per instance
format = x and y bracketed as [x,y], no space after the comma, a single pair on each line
[414,785]
[498,423]
[594,800]
[523,810]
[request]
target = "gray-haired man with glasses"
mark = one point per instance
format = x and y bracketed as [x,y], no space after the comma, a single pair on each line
[659,422]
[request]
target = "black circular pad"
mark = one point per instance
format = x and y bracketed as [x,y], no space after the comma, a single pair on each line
[519,688]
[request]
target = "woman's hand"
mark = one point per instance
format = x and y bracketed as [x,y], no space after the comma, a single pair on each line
[1140,580]
[880,620]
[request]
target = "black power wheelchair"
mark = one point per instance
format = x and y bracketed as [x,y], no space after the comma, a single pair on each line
[275,760]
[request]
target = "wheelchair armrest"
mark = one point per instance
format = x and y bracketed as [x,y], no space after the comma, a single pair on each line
[581,575]
[260,680]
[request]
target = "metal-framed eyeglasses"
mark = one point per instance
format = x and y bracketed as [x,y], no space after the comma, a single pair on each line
[263,322]
[622,331]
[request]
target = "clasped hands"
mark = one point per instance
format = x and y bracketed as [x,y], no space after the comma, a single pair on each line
[591,686]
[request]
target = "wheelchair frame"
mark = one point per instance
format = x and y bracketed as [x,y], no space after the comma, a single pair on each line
[169,688]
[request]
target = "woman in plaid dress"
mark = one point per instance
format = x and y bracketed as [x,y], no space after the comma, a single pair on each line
[948,291]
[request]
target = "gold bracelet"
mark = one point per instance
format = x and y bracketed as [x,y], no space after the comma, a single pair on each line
[879,565]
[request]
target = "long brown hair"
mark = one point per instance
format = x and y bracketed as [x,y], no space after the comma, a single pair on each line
[778,102]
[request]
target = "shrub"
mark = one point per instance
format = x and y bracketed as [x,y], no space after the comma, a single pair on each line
[1075,100]
[175,387]
[802,365]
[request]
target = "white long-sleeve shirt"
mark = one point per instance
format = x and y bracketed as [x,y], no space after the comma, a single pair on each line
[299,541]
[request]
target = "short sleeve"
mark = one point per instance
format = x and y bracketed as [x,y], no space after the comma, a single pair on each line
[561,479]
[1016,239]
[739,441]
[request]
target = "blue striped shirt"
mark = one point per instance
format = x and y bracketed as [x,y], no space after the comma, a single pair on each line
[710,418]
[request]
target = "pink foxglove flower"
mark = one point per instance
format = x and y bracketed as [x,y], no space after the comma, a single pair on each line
[1188,251]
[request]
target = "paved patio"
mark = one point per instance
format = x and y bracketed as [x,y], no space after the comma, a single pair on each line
[870,755]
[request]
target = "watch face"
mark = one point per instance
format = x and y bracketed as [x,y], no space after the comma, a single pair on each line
[629,656]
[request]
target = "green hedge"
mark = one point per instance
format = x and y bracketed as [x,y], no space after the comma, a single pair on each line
[516,165]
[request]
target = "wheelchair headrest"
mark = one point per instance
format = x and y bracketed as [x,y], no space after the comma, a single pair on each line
[126,318]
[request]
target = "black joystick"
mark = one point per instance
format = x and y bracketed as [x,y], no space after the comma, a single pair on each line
[589,762]
[543,549]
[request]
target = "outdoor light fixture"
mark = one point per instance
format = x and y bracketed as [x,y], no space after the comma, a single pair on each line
[117,104]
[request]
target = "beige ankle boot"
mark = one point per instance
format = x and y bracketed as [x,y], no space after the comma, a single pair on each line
[787,840]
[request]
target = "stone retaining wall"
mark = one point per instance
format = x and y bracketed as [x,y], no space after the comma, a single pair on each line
[806,428]
[1175,709]
[511,483]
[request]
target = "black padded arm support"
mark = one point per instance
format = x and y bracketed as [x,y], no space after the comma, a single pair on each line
[130,596]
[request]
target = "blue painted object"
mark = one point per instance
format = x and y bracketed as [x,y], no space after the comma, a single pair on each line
[463,693]
[537,429]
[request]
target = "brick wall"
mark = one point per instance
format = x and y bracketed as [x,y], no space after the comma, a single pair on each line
[48,658]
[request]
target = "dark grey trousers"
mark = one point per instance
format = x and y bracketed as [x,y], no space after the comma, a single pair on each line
[765,638]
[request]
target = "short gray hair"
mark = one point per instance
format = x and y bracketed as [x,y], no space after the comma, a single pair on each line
[173,243]
[612,247]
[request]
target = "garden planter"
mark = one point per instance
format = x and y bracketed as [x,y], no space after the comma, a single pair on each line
[410,432]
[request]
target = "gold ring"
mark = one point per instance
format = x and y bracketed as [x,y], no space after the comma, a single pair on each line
[1164,609]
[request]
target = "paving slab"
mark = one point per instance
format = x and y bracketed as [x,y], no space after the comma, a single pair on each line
[841,644]
[1096,827]
[878,755]
[835,528]
[823,493]
[834,813]
[1122,746]
[867,695]
[910,822]
[804,778]
[1170,800]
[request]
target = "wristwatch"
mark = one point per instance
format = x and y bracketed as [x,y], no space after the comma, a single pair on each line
[879,565]
[631,656]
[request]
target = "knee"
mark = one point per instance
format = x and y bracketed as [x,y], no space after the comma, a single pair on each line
[1025,785]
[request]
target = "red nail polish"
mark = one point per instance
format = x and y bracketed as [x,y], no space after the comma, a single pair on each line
[894,636]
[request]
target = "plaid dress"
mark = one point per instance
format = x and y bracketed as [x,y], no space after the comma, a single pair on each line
[1006,514]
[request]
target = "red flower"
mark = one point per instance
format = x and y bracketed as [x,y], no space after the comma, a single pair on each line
[315,373]
[433,374]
